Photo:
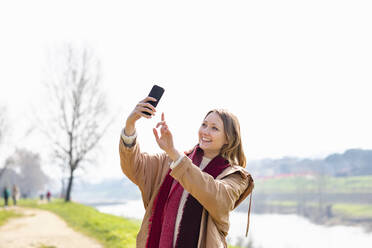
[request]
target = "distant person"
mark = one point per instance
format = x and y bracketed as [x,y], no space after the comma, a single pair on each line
[6,194]
[188,198]
[48,195]
[15,194]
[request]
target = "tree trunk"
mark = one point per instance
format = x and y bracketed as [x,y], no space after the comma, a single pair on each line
[69,187]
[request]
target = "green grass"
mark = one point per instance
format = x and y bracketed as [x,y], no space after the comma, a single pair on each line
[46,246]
[360,184]
[7,214]
[353,210]
[112,231]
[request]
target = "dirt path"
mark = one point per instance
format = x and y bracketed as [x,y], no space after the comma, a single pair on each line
[41,229]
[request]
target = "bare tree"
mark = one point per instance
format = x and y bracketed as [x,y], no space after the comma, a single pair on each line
[78,108]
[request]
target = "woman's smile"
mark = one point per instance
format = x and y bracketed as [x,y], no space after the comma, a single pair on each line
[206,140]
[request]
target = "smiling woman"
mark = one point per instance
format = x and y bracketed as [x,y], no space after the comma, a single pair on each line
[188,198]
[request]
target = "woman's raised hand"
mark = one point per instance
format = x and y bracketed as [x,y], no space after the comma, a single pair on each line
[165,141]
[137,113]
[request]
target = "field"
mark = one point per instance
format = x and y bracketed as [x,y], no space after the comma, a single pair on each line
[348,198]
[340,185]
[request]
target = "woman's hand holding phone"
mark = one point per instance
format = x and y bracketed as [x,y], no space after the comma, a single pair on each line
[138,112]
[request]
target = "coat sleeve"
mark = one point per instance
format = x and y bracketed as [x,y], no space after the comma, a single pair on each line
[218,197]
[146,171]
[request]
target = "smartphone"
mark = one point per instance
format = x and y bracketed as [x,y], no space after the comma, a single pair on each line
[156,92]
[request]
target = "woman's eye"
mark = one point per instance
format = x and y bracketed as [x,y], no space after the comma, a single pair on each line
[204,125]
[215,128]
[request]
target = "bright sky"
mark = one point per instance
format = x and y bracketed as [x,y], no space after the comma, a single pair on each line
[298,74]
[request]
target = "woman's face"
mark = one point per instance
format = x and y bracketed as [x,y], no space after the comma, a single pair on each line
[212,135]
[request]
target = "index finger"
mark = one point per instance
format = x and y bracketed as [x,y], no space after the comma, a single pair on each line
[162,116]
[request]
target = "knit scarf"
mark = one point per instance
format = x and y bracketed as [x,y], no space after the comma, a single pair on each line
[165,208]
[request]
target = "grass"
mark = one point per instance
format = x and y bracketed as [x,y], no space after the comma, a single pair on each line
[46,246]
[360,184]
[6,214]
[112,231]
[353,210]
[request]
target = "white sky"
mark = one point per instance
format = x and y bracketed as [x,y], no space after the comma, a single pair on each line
[298,74]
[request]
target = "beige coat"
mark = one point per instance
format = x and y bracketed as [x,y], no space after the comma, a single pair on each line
[217,196]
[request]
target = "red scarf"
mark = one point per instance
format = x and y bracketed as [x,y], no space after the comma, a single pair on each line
[165,208]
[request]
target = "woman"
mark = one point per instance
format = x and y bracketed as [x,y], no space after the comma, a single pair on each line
[187,198]
[15,194]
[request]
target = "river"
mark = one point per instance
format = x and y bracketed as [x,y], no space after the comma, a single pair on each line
[271,230]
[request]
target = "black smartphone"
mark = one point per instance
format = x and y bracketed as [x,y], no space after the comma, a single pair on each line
[156,92]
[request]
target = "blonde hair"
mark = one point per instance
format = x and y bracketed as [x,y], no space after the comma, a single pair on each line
[233,150]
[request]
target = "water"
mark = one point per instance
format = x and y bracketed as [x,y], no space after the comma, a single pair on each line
[271,230]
